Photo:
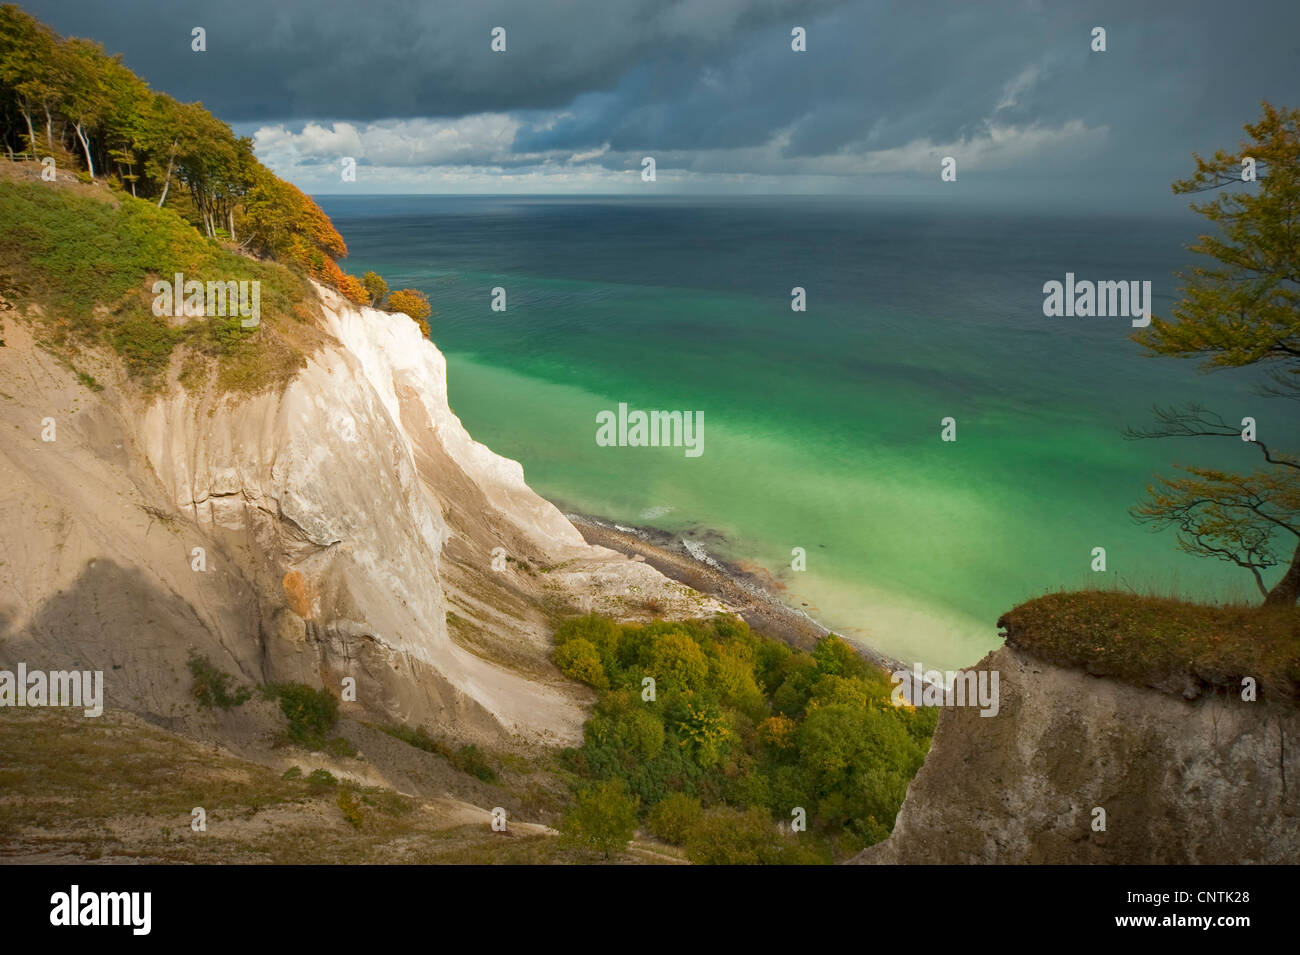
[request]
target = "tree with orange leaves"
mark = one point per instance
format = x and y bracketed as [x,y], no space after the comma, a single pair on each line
[414,303]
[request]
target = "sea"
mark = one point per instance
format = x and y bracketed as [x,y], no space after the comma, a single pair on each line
[823,463]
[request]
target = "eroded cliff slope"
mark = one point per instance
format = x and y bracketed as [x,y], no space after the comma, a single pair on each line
[347,523]
[1206,780]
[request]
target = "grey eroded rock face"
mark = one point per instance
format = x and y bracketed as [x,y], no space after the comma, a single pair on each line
[345,522]
[1208,781]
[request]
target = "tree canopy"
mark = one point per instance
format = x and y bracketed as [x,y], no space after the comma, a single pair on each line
[723,734]
[68,99]
[1242,309]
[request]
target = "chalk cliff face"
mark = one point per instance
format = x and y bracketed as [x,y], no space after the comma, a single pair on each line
[349,527]
[1213,780]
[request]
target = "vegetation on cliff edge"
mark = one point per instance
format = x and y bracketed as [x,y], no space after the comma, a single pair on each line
[1163,643]
[184,195]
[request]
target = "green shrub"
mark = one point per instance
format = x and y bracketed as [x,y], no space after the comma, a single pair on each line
[602,818]
[322,779]
[470,759]
[579,659]
[745,724]
[467,759]
[418,737]
[599,631]
[672,818]
[677,662]
[836,657]
[88,380]
[311,713]
[338,746]
[387,802]
[350,804]
[211,687]
[725,836]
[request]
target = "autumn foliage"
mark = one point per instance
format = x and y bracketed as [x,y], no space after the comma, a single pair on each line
[413,303]
[69,100]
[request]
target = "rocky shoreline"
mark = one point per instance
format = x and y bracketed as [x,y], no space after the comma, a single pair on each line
[746,592]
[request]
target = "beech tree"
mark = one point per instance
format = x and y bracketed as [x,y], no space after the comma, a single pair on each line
[1241,310]
[161,137]
[97,112]
[27,66]
[87,103]
[375,287]
[414,303]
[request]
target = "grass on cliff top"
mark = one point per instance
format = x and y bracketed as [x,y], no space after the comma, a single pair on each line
[88,263]
[1162,642]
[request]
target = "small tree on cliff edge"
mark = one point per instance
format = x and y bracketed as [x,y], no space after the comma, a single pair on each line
[414,303]
[375,287]
[1242,310]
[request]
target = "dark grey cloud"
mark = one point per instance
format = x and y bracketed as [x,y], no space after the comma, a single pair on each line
[371,59]
[694,81]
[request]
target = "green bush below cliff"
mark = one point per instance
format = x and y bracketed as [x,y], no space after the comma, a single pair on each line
[738,734]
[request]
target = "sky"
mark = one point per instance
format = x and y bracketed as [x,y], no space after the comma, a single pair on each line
[713,91]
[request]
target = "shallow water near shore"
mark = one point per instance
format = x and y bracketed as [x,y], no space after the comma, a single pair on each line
[822,428]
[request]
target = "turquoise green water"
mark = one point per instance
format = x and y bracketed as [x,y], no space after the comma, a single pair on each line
[822,429]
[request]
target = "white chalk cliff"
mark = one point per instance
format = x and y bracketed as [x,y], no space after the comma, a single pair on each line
[348,526]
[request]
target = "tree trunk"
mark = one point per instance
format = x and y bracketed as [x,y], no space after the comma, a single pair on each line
[31,134]
[167,181]
[49,130]
[85,146]
[1287,590]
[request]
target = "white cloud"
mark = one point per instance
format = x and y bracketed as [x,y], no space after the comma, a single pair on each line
[591,154]
[475,154]
[1024,82]
[483,138]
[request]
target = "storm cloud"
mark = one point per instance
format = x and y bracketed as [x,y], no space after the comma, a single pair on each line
[713,90]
